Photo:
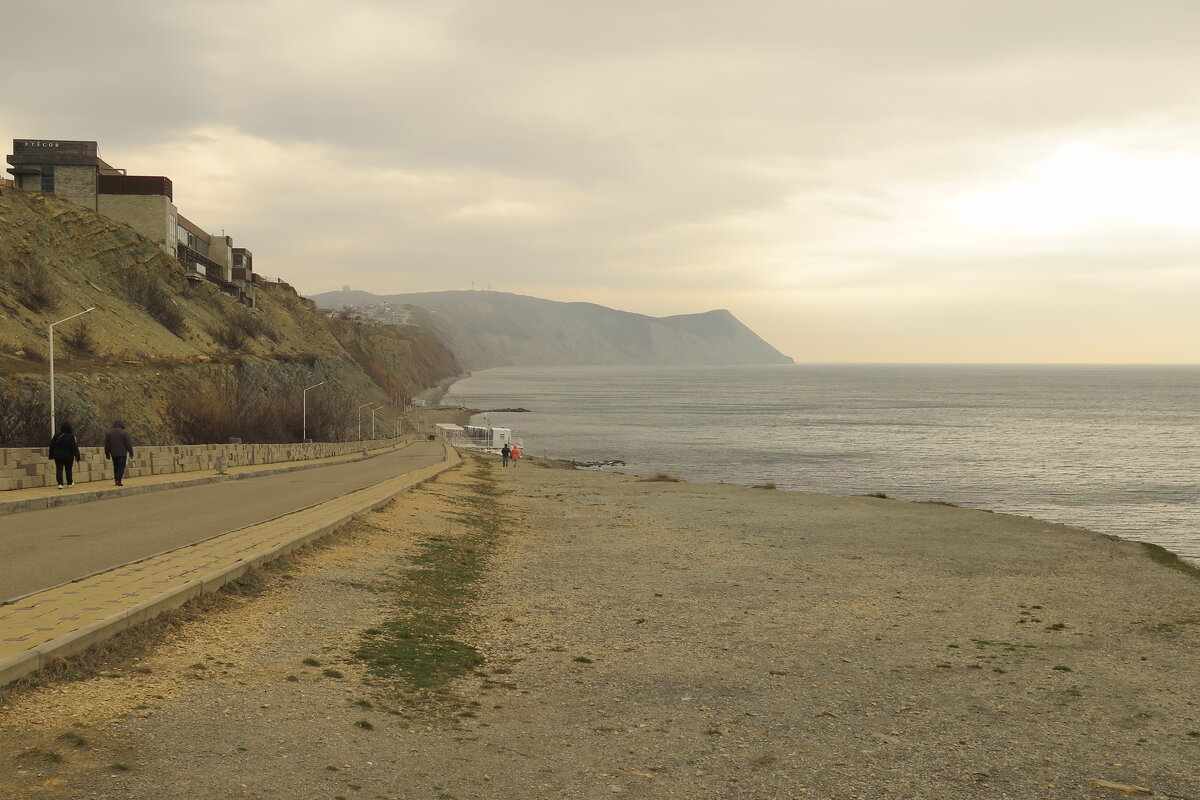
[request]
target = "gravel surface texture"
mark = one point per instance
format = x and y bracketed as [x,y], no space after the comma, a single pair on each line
[664,640]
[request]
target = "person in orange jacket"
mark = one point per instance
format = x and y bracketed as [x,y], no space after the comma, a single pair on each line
[515,454]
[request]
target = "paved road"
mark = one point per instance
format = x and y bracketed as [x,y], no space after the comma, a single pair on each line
[39,549]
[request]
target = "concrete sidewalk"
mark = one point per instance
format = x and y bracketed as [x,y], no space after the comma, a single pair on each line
[15,501]
[65,620]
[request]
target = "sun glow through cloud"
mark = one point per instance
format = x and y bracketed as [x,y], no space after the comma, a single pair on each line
[1084,187]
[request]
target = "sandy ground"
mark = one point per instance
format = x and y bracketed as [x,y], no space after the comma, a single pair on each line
[669,640]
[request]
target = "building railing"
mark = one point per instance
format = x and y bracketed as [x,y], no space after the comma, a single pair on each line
[213,272]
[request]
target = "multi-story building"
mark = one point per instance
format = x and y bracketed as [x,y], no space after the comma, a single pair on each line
[74,171]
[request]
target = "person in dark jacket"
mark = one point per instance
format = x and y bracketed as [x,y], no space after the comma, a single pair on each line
[118,446]
[64,449]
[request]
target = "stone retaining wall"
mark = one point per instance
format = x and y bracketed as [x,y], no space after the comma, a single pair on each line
[30,468]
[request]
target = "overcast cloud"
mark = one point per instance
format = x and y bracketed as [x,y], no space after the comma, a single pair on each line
[894,180]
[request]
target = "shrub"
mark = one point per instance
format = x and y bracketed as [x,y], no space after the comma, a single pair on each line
[250,324]
[147,291]
[236,405]
[204,413]
[24,415]
[79,339]
[660,476]
[31,284]
[230,337]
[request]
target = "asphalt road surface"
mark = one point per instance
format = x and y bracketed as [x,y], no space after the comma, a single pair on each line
[40,549]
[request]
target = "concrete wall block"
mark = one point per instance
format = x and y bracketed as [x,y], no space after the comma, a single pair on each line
[77,184]
[150,215]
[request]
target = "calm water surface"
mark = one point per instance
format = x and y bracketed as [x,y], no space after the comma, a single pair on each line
[1110,448]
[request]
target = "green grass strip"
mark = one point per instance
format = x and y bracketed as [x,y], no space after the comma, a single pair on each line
[418,647]
[1168,559]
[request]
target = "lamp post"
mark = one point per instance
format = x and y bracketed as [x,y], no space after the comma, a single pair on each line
[359,410]
[304,412]
[52,324]
[373,410]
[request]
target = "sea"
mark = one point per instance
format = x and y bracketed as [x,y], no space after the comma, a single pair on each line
[1112,448]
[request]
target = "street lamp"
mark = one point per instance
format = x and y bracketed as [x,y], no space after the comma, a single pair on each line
[52,324]
[304,412]
[373,410]
[359,410]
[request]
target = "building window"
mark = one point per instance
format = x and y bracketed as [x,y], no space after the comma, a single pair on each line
[48,178]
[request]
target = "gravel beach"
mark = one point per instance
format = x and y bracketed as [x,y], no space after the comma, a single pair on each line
[658,639]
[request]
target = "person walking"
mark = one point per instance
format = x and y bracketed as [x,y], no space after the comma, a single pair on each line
[505,454]
[515,454]
[118,446]
[64,449]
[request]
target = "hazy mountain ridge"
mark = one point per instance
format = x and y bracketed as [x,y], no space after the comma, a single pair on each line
[493,329]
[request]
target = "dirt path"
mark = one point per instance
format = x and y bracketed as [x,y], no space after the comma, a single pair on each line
[662,640]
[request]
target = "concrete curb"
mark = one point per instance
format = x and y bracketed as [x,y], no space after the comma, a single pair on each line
[54,501]
[75,642]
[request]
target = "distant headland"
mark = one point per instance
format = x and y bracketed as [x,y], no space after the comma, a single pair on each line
[495,329]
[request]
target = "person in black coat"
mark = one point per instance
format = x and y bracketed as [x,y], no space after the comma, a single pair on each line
[64,449]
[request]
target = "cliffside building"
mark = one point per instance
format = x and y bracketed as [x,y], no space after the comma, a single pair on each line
[74,171]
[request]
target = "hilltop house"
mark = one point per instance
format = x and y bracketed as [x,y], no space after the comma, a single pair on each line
[74,171]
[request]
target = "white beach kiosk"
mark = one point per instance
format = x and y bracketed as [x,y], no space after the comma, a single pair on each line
[473,437]
[485,437]
[450,433]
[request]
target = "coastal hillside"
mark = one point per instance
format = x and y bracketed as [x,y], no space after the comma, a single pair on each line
[494,329]
[182,361]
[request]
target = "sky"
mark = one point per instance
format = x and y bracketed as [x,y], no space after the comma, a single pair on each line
[857,180]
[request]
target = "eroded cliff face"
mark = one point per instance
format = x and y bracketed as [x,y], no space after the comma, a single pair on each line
[491,329]
[156,342]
